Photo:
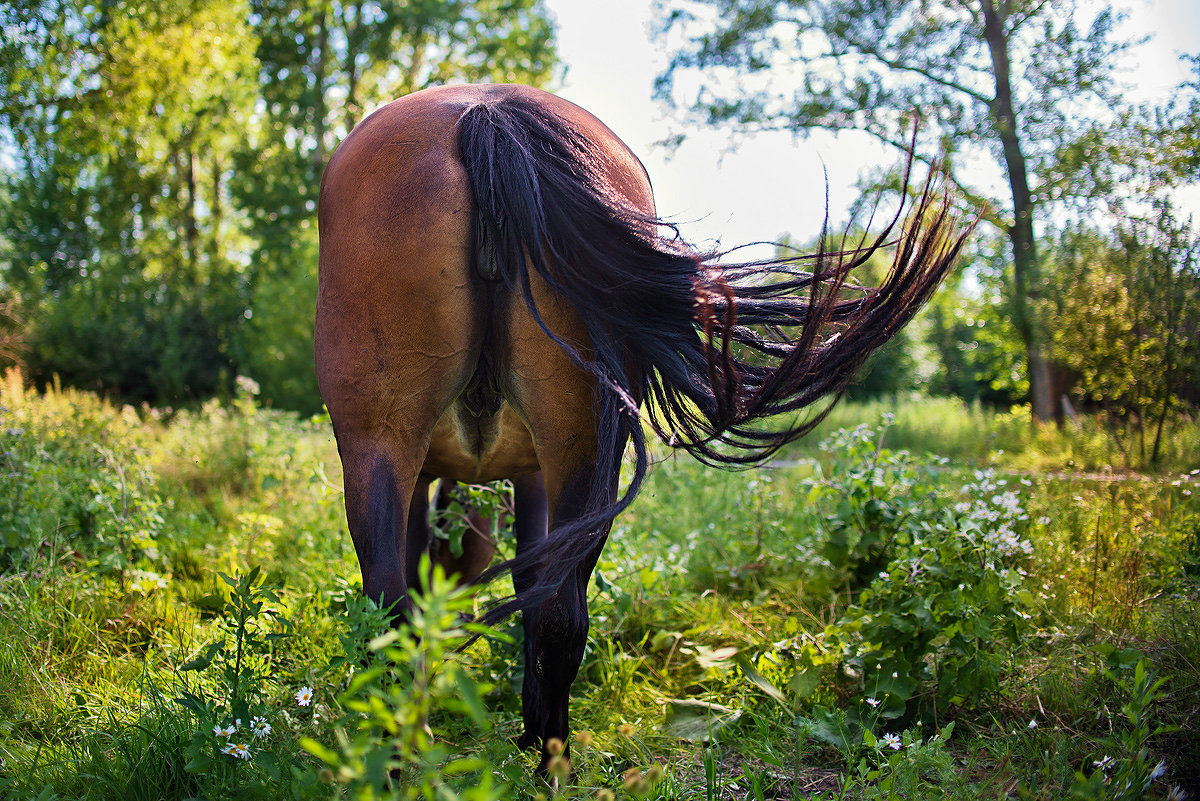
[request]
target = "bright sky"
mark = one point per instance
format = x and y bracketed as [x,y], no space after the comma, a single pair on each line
[774,183]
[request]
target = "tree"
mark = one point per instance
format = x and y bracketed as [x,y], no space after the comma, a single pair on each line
[324,64]
[120,119]
[160,162]
[1128,321]
[1018,83]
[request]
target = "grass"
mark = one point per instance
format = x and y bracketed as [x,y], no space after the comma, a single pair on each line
[729,589]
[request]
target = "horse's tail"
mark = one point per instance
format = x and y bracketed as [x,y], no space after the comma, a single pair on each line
[713,348]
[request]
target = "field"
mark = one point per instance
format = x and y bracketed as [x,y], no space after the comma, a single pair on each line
[922,600]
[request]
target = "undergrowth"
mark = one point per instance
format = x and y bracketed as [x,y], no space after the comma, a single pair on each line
[180,618]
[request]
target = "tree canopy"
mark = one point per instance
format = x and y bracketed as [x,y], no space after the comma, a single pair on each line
[161,161]
[1018,101]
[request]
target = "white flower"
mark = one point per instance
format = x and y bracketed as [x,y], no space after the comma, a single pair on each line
[260,727]
[224,731]
[236,750]
[874,701]
[1043,521]
[1032,724]
[304,696]
[892,741]
[1104,764]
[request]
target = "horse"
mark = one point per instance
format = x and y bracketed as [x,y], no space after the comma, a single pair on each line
[498,299]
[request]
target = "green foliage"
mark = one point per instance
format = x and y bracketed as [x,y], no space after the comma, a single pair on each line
[1127,312]
[85,498]
[384,746]
[1029,87]
[234,719]
[937,583]
[489,502]
[731,660]
[162,168]
[1130,775]
[166,343]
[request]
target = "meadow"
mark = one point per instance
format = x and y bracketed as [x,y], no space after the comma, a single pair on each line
[921,600]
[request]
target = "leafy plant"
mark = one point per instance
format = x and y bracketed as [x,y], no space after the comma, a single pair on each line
[1129,775]
[232,719]
[385,746]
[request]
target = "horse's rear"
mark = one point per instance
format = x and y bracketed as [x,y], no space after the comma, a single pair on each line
[432,367]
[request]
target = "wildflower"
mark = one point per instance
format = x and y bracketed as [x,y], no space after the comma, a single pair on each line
[224,731]
[304,696]
[1159,770]
[1043,521]
[874,702]
[1103,764]
[1032,724]
[236,750]
[260,727]
[892,741]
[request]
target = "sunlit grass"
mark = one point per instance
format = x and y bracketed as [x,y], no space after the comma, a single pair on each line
[707,568]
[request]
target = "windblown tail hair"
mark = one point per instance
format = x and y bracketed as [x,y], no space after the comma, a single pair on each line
[712,348]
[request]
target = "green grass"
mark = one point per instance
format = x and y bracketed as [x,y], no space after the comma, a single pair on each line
[976,434]
[730,589]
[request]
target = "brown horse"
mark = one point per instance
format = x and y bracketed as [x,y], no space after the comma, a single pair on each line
[498,299]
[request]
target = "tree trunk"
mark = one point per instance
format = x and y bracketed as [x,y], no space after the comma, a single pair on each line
[1020,233]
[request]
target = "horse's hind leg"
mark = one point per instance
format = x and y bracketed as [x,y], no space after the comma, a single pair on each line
[555,398]
[556,630]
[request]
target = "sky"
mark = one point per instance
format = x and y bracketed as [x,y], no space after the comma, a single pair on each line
[774,184]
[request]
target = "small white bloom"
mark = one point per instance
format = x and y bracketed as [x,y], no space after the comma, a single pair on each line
[874,701]
[224,731]
[1104,764]
[304,696]
[1043,521]
[892,741]
[236,750]
[260,727]
[1032,724]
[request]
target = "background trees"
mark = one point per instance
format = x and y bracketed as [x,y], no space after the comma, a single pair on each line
[161,162]
[1018,98]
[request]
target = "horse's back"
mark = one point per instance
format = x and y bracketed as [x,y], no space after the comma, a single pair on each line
[418,356]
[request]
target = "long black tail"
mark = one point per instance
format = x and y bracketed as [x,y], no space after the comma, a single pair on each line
[713,349]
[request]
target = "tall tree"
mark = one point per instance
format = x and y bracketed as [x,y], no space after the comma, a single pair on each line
[323,65]
[120,120]
[1128,313]
[160,163]
[1019,83]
